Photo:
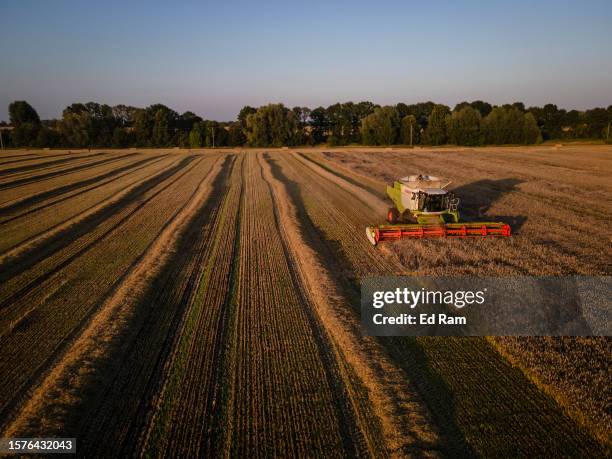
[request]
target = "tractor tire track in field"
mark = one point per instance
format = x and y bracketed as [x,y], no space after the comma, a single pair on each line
[444,370]
[45,164]
[110,351]
[20,381]
[27,203]
[38,178]
[12,267]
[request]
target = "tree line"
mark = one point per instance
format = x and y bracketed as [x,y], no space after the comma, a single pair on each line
[274,125]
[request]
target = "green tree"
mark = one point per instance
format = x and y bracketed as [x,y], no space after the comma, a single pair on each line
[271,125]
[121,138]
[510,125]
[484,108]
[381,127]
[368,130]
[410,130]
[514,126]
[531,131]
[436,132]
[143,125]
[464,126]
[76,127]
[319,124]
[47,137]
[195,136]
[165,125]
[89,125]
[25,122]
[597,120]
[244,113]
[236,137]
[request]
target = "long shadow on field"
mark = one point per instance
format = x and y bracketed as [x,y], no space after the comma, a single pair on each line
[38,178]
[118,395]
[23,158]
[332,256]
[24,203]
[20,263]
[477,198]
[45,165]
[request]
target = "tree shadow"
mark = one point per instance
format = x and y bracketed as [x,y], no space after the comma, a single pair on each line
[477,198]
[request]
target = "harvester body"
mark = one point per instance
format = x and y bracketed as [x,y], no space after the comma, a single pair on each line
[424,208]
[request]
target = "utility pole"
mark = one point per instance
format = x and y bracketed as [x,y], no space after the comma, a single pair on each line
[2,143]
[411,134]
[608,136]
[213,135]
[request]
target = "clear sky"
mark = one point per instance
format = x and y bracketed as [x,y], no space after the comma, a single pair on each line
[214,57]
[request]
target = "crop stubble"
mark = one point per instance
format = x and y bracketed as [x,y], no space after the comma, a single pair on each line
[207,304]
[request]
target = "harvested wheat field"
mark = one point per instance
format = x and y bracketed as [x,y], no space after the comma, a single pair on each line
[206,302]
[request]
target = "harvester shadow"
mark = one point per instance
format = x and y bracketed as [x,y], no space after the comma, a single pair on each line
[405,352]
[478,197]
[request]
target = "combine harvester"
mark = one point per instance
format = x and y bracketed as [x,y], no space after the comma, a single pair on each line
[426,209]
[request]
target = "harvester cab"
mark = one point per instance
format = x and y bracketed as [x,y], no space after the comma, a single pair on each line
[422,207]
[422,199]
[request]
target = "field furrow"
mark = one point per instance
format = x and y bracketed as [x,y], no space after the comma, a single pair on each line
[27,267]
[24,204]
[54,299]
[206,303]
[188,414]
[16,198]
[39,223]
[19,157]
[389,410]
[37,178]
[9,160]
[44,164]
[126,343]
[279,354]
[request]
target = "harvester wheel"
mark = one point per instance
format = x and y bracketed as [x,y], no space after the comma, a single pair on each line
[392,215]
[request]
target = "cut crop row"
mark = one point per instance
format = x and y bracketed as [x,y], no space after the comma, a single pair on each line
[84,164]
[376,389]
[282,397]
[187,418]
[39,221]
[44,163]
[104,174]
[61,291]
